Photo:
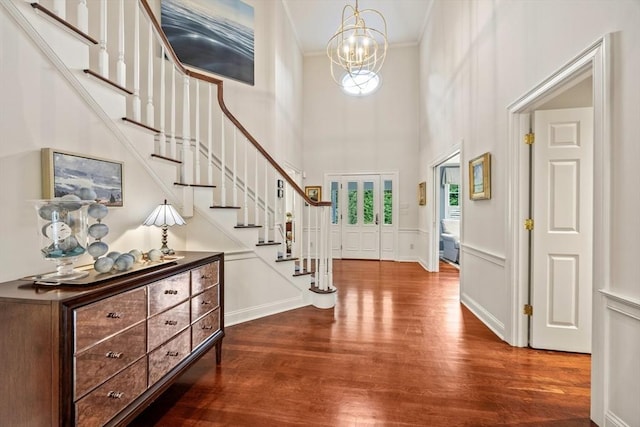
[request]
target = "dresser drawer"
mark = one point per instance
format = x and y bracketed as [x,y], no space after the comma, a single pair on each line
[94,365]
[102,404]
[165,325]
[204,328]
[204,303]
[100,320]
[168,292]
[168,355]
[204,277]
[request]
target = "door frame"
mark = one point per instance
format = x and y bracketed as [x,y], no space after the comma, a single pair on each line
[594,60]
[395,176]
[434,243]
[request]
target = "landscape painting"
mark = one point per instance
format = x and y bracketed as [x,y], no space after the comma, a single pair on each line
[66,173]
[213,35]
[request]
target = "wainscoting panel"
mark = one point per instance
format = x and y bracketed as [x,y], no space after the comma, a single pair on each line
[483,289]
[622,363]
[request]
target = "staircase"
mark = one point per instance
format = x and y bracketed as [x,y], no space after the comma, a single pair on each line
[175,121]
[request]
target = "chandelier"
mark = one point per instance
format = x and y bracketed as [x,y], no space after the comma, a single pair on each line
[357,50]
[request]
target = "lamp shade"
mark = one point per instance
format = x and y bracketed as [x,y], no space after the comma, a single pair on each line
[164,215]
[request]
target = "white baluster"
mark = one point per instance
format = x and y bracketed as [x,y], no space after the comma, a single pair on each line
[60,8]
[308,208]
[245,203]
[196,154]
[223,166]
[320,248]
[150,109]
[266,199]
[121,67]
[163,136]
[235,166]
[186,129]
[316,251]
[330,252]
[103,55]
[256,215]
[172,141]
[83,16]
[210,138]
[137,107]
[277,220]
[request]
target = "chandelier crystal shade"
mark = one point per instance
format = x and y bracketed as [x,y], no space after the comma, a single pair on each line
[359,46]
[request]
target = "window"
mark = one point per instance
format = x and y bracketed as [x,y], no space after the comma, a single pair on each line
[452,206]
[360,83]
[367,202]
[352,209]
[334,202]
[388,202]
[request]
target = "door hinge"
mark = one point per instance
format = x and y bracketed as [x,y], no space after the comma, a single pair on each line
[529,138]
[528,309]
[528,224]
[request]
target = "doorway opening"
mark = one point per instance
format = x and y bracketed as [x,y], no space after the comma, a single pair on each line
[591,63]
[448,188]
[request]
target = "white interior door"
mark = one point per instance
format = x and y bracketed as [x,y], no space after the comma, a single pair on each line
[561,276]
[361,217]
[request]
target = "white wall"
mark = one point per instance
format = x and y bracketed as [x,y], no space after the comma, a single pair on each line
[477,57]
[374,133]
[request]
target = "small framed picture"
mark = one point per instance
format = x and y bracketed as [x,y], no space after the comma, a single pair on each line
[313,192]
[66,173]
[480,177]
[422,193]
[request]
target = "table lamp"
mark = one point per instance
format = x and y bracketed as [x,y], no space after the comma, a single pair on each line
[164,216]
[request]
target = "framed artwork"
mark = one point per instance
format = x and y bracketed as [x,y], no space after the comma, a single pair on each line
[313,192]
[66,173]
[480,177]
[422,193]
[213,35]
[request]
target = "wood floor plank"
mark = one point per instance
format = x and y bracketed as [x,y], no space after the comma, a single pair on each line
[398,350]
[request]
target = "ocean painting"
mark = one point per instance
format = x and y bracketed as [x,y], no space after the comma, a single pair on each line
[72,172]
[212,35]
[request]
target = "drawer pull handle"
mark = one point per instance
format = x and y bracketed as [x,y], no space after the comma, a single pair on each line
[113,355]
[172,353]
[113,315]
[204,276]
[171,322]
[207,327]
[115,395]
[171,292]
[206,302]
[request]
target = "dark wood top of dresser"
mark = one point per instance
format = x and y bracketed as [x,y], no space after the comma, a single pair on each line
[27,291]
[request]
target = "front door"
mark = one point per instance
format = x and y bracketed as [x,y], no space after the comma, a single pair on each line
[562,206]
[361,217]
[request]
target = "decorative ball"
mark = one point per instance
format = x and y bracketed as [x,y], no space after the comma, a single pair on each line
[137,255]
[97,249]
[87,194]
[114,255]
[103,265]
[70,198]
[70,205]
[46,211]
[124,262]
[98,231]
[69,244]
[154,255]
[98,211]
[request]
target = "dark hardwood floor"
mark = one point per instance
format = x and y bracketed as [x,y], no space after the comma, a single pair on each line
[398,350]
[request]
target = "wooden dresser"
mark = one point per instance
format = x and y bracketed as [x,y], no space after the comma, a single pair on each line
[98,354]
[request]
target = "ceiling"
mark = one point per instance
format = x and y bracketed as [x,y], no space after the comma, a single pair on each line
[315,21]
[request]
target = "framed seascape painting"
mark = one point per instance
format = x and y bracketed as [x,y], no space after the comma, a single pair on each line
[314,192]
[480,177]
[65,173]
[212,35]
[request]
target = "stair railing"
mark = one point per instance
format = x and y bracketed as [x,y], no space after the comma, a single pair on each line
[192,129]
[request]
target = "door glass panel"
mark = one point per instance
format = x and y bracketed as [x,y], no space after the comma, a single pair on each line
[334,202]
[367,202]
[388,202]
[352,213]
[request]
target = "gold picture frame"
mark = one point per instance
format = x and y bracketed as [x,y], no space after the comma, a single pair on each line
[64,172]
[480,177]
[422,193]
[313,192]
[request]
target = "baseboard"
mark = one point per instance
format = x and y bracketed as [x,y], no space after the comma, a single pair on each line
[611,420]
[259,311]
[485,317]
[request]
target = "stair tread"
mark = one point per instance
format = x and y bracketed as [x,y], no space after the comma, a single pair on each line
[139,124]
[270,243]
[286,258]
[247,226]
[107,81]
[169,159]
[302,273]
[75,30]
[321,291]
[224,207]
[184,184]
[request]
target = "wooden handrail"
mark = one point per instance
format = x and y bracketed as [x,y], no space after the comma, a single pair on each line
[221,103]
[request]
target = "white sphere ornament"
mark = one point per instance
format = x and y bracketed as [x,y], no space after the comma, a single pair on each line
[154,255]
[103,265]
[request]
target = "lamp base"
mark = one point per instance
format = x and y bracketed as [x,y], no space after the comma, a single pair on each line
[164,248]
